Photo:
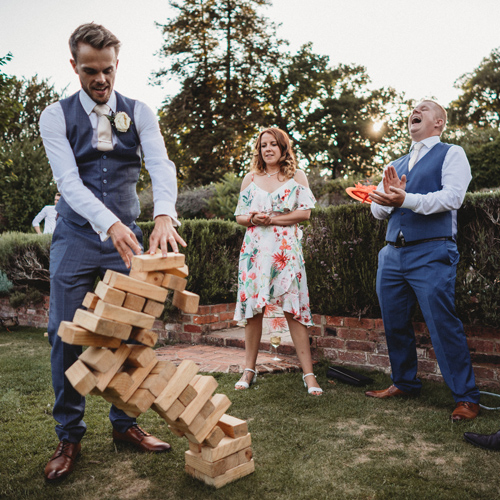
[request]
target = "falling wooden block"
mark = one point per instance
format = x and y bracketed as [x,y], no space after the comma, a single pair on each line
[102,326]
[204,389]
[138,375]
[228,477]
[186,301]
[181,272]
[176,408]
[221,403]
[156,262]
[80,377]
[119,385]
[120,356]
[173,282]
[123,315]
[140,355]
[98,358]
[232,426]
[188,394]
[226,447]
[134,302]
[158,377]
[142,399]
[90,300]
[153,308]
[212,440]
[144,336]
[154,277]
[179,381]
[76,335]
[109,294]
[214,469]
[176,431]
[127,284]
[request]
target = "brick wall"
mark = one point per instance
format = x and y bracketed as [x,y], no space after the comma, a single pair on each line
[344,341]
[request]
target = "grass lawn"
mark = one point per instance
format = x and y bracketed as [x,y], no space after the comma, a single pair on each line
[339,446]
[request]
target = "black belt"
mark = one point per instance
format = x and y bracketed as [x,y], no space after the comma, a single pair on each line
[400,242]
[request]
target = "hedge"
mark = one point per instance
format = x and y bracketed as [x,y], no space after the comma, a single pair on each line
[340,244]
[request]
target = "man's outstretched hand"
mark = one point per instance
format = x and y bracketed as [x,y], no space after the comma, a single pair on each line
[164,234]
[124,241]
[394,189]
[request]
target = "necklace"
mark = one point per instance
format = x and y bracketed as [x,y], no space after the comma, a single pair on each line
[270,175]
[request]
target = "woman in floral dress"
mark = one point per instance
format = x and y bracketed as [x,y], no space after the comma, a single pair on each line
[274,198]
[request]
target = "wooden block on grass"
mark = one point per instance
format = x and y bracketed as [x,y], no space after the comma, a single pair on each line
[119,385]
[122,315]
[101,326]
[90,300]
[173,282]
[221,403]
[121,355]
[179,381]
[76,335]
[204,389]
[176,408]
[186,301]
[98,358]
[188,394]
[214,469]
[140,355]
[226,447]
[154,277]
[144,336]
[153,308]
[109,294]
[228,477]
[232,426]
[156,262]
[128,284]
[176,431]
[81,378]
[142,399]
[138,375]
[213,439]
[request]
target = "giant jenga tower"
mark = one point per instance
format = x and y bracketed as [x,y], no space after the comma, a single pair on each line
[129,376]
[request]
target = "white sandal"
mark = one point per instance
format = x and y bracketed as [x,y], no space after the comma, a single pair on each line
[311,389]
[243,384]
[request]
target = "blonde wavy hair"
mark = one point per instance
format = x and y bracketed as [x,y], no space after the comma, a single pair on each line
[287,161]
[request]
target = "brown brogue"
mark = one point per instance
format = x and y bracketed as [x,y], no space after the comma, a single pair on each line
[141,440]
[390,392]
[62,462]
[465,410]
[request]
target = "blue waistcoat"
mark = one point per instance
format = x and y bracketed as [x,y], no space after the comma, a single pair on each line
[110,175]
[425,177]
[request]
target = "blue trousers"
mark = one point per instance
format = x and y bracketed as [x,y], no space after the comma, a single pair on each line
[425,273]
[77,258]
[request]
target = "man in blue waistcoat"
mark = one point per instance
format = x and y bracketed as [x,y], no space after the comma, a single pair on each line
[420,194]
[96,168]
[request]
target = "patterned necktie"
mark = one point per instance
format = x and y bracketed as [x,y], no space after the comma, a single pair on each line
[416,150]
[104,141]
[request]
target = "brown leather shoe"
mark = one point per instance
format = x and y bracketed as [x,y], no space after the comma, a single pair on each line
[141,440]
[390,392]
[465,410]
[62,462]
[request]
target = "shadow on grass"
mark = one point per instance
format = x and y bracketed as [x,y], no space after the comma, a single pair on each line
[342,445]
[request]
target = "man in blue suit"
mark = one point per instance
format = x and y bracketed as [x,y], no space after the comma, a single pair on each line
[420,194]
[96,167]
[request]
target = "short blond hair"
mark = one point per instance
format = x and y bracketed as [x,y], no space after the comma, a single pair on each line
[440,112]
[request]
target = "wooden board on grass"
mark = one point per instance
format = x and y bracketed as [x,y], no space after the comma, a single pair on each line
[232,426]
[226,447]
[228,477]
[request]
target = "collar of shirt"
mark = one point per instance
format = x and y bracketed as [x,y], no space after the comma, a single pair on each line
[88,104]
[428,142]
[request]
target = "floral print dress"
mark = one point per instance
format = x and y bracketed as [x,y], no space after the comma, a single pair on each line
[271,269]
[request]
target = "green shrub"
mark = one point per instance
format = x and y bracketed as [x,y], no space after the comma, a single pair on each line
[193,203]
[223,202]
[5,284]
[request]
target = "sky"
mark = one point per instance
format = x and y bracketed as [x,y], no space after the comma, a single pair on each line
[418,48]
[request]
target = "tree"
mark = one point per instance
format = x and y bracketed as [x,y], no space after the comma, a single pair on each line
[479,103]
[8,106]
[222,49]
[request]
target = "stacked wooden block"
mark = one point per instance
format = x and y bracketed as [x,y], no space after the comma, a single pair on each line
[130,376]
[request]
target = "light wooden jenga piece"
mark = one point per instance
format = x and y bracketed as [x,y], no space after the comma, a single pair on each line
[153,308]
[134,302]
[226,447]
[101,326]
[76,335]
[188,394]
[138,375]
[179,381]
[144,336]
[204,388]
[176,408]
[212,440]
[81,378]
[186,301]
[232,426]
[109,294]
[221,403]
[128,284]
[119,385]
[156,262]
[154,277]
[98,358]
[140,355]
[159,376]
[228,477]
[90,300]
[142,399]
[173,282]
[181,272]
[214,469]
[176,431]
[122,315]
[121,355]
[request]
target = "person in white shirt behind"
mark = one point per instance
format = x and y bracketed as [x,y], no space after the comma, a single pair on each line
[47,214]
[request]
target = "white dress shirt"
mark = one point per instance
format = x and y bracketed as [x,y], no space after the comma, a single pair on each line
[47,213]
[455,178]
[65,170]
